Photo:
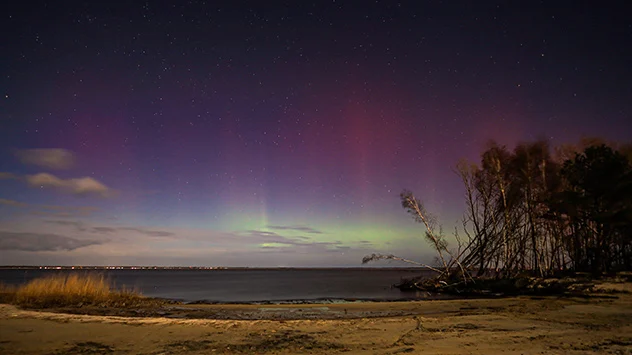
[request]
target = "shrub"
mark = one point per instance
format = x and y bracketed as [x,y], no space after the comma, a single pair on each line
[72,290]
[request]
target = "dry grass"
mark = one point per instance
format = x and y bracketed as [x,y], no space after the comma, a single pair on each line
[69,290]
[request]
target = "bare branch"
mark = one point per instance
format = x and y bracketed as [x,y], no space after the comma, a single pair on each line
[374,257]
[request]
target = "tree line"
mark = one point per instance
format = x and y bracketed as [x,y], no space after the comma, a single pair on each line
[539,210]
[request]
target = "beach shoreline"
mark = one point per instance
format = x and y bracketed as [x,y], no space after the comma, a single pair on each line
[598,323]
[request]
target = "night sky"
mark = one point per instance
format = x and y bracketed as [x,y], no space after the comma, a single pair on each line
[271,133]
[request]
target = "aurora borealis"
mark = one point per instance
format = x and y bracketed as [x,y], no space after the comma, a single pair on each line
[279,133]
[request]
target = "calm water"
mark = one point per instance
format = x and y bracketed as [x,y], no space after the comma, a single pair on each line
[251,285]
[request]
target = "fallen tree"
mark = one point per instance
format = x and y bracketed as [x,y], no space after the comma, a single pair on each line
[452,271]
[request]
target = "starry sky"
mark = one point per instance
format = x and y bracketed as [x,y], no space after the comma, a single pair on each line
[252,133]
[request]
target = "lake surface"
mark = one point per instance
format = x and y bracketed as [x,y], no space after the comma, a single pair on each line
[252,285]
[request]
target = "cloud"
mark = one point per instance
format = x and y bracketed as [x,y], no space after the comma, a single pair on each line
[8,176]
[80,186]
[148,232]
[62,211]
[75,224]
[257,236]
[47,158]
[273,241]
[71,210]
[296,229]
[41,242]
[4,201]
[80,226]
[51,211]
[103,230]
[365,244]
[258,233]
[56,159]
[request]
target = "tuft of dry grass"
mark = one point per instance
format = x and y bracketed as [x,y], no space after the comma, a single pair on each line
[71,290]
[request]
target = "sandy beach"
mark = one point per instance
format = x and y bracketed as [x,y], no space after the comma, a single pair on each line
[601,323]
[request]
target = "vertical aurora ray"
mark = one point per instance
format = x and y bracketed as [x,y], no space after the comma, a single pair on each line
[263,208]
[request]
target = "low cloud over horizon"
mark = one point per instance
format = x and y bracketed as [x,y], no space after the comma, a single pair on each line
[69,239]
[41,242]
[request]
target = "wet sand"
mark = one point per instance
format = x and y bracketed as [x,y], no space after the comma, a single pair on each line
[601,323]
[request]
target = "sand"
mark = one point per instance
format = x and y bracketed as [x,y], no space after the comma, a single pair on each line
[601,323]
